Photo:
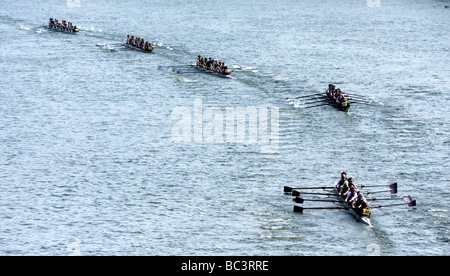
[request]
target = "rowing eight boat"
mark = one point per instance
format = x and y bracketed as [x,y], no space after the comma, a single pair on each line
[344,106]
[362,215]
[75,32]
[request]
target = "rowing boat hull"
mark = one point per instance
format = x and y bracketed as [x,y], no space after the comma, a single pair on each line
[363,219]
[338,106]
[213,73]
[131,47]
[60,31]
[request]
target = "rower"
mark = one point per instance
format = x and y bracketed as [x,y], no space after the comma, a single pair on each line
[330,90]
[360,202]
[351,194]
[340,96]
[346,187]
[209,63]
[343,181]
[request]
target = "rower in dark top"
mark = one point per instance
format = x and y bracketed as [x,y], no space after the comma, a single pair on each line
[360,202]
[343,179]
[342,182]
[330,90]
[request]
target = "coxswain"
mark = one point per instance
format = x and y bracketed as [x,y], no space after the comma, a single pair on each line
[226,71]
[360,202]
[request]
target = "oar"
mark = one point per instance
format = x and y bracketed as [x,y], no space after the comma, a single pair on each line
[365,103]
[316,100]
[407,199]
[387,198]
[313,97]
[306,96]
[378,192]
[104,44]
[175,66]
[323,104]
[392,187]
[355,95]
[301,200]
[299,209]
[297,193]
[288,189]
[350,98]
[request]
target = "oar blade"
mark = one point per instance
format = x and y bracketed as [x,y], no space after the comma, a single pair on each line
[295,193]
[393,188]
[298,209]
[407,199]
[298,200]
[287,189]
